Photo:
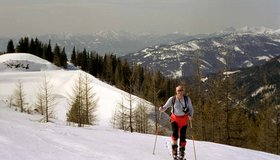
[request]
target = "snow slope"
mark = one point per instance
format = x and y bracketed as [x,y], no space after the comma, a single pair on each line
[62,82]
[23,137]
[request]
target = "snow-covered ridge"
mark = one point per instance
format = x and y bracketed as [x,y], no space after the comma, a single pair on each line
[253,30]
[24,62]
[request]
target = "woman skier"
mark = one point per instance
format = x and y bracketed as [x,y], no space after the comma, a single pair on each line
[181,113]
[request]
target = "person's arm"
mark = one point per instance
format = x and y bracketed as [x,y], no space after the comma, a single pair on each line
[166,105]
[190,112]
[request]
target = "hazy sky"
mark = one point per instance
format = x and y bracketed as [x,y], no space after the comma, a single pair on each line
[37,17]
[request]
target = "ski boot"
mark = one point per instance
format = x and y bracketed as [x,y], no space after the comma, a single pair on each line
[174,151]
[181,153]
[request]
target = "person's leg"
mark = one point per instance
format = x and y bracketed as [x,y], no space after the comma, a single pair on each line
[183,142]
[174,137]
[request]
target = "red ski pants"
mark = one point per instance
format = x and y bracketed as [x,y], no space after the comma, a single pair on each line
[179,128]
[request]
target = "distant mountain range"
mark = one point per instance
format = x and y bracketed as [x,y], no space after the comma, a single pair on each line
[230,49]
[119,43]
[175,54]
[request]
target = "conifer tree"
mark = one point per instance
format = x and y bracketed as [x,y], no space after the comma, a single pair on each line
[84,62]
[114,63]
[107,68]
[63,58]
[19,96]
[45,99]
[38,48]
[83,102]
[200,107]
[48,52]
[155,91]
[32,47]
[141,118]
[93,63]
[23,45]
[56,56]
[75,113]
[90,100]
[146,86]
[126,73]
[44,53]
[119,79]
[10,47]
[73,57]
[137,78]
[130,101]
[120,118]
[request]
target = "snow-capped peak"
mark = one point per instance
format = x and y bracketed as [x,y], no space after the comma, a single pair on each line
[258,30]
[247,29]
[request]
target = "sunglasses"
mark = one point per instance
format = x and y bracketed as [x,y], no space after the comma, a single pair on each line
[180,90]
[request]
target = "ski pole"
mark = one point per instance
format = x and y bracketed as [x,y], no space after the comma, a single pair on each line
[193,141]
[157,133]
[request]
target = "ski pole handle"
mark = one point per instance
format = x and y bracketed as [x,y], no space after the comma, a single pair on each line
[191,124]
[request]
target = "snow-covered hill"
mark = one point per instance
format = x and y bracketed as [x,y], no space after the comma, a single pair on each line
[24,62]
[61,80]
[23,137]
